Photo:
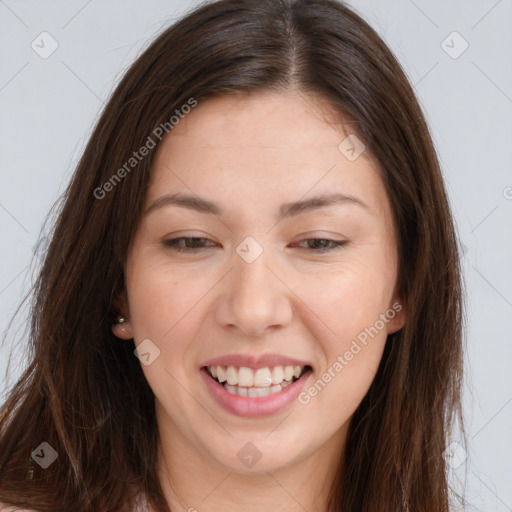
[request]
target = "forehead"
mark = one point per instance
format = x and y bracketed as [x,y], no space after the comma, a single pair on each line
[262,118]
[263,145]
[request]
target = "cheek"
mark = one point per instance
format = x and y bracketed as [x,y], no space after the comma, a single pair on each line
[166,307]
[162,299]
[348,298]
[351,363]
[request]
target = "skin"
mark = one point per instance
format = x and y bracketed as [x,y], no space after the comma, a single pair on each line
[250,154]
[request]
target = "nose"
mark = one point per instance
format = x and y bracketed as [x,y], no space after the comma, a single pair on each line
[254,299]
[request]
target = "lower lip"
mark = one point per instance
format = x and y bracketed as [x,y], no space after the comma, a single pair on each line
[254,407]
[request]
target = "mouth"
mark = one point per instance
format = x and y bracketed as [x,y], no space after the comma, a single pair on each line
[252,386]
[256,382]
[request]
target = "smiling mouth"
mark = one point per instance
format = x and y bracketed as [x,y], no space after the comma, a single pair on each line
[251,383]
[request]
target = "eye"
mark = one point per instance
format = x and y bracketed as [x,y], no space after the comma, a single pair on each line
[323,244]
[194,244]
[173,243]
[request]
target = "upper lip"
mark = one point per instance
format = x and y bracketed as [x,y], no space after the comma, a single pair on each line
[255,362]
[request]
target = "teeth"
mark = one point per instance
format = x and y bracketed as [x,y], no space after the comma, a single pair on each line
[231,389]
[245,377]
[232,376]
[260,378]
[253,392]
[288,372]
[221,374]
[277,375]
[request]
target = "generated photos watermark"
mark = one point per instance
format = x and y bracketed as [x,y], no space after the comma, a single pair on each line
[137,156]
[343,360]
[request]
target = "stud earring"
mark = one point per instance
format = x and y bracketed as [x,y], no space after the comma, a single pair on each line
[120,330]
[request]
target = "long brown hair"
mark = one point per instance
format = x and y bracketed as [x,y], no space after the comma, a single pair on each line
[83,391]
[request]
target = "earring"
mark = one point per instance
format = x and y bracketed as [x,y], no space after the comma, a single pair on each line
[120,330]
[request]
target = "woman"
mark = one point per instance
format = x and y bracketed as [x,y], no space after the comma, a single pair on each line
[252,297]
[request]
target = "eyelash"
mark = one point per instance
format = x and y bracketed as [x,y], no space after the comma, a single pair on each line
[172,244]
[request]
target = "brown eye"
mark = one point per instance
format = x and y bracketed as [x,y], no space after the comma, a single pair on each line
[192,244]
[323,244]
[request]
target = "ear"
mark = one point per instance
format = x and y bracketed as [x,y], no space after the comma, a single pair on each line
[120,302]
[122,330]
[397,314]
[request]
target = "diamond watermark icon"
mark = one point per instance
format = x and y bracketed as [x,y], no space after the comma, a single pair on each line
[44,455]
[249,249]
[351,147]
[147,352]
[249,455]
[454,45]
[44,45]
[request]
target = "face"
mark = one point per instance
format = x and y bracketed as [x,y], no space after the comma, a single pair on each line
[251,281]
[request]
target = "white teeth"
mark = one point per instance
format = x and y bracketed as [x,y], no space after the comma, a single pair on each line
[231,389]
[277,375]
[288,372]
[221,374]
[245,377]
[262,391]
[261,378]
[251,383]
[232,376]
[253,392]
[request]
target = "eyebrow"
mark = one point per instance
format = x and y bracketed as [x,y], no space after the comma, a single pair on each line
[198,204]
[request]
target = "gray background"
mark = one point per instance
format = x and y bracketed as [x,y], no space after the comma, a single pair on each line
[48,107]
